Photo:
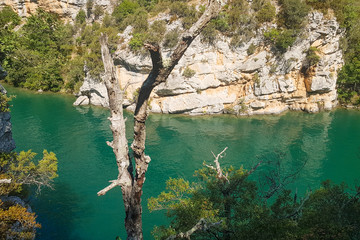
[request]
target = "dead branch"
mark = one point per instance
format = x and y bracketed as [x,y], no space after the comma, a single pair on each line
[117,126]
[113,184]
[218,169]
[202,225]
[5,181]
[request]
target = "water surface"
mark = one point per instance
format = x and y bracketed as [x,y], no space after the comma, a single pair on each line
[328,143]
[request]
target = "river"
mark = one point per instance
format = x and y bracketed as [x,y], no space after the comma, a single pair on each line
[328,143]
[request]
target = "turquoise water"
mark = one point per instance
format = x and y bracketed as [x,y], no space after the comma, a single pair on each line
[327,143]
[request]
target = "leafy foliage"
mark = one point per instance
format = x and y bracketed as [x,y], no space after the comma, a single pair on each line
[4,102]
[188,72]
[10,215]
[311,57]
[22,169]
[281,39]
[266,13]
[36,60]
[293,13]
[171,38]
[332,212]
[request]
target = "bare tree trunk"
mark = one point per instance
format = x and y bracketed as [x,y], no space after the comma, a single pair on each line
[132,182]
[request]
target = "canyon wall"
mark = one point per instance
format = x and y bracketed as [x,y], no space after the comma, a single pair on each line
[66,9]
[229,80]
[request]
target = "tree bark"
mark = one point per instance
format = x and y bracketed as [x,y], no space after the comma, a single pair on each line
[132,182]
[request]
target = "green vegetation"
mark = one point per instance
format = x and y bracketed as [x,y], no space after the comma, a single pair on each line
[311,57]
[22,169]
[4,103]
[265,11]
[236,207]
[18,170]
[251,50]
[44,53]
[171,38]
[293,13]
[188,72]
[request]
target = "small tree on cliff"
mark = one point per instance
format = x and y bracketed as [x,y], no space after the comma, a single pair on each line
[133,167]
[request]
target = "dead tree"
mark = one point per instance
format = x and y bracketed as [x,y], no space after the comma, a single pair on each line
[132,170]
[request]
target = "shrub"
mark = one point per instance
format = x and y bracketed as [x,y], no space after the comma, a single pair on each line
[157,31]
[80,17]
[267,13]
[311,57]
[280,39]
[98,11]
[251,49]
[272,35]
[221,22]
[4,102]
[293,13]
[124,9]
[322,5]
[285,40]
[171,38]
[182,10]
[209,34]
[89,7]
[188,72]
[137,41]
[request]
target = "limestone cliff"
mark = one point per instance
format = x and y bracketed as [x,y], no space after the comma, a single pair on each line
[7,143]
[231,81]
[67,9]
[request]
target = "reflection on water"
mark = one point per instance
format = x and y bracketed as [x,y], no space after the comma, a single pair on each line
[328,142]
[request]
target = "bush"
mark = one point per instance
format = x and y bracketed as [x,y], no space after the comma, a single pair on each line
[140,21]
[182,10]
[251,50]
[221,22]
[280,39]
[267,13]
[188,72]
[137,41]
[157,31]
[311,57]
[209,33]
[4,102]
[285,40]
[124,9]
[98,11]
[171,38]
[322,5]
[349,80]
[89,7]
[80,17]
[293,13]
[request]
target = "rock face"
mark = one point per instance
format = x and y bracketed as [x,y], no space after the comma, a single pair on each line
[92,92]
[7,143]
[67,9]
[229,80]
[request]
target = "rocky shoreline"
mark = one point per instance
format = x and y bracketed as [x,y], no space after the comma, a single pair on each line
[228,80]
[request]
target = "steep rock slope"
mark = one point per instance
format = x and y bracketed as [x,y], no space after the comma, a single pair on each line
[67,9]
[7,143]
[227,80]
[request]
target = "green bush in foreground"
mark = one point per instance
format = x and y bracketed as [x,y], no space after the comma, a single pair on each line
[236,209]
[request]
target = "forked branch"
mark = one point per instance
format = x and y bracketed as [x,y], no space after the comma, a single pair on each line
[217,167]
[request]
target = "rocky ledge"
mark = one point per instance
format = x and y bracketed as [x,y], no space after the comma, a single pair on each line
[7,143]
[227,80]
[66,9]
